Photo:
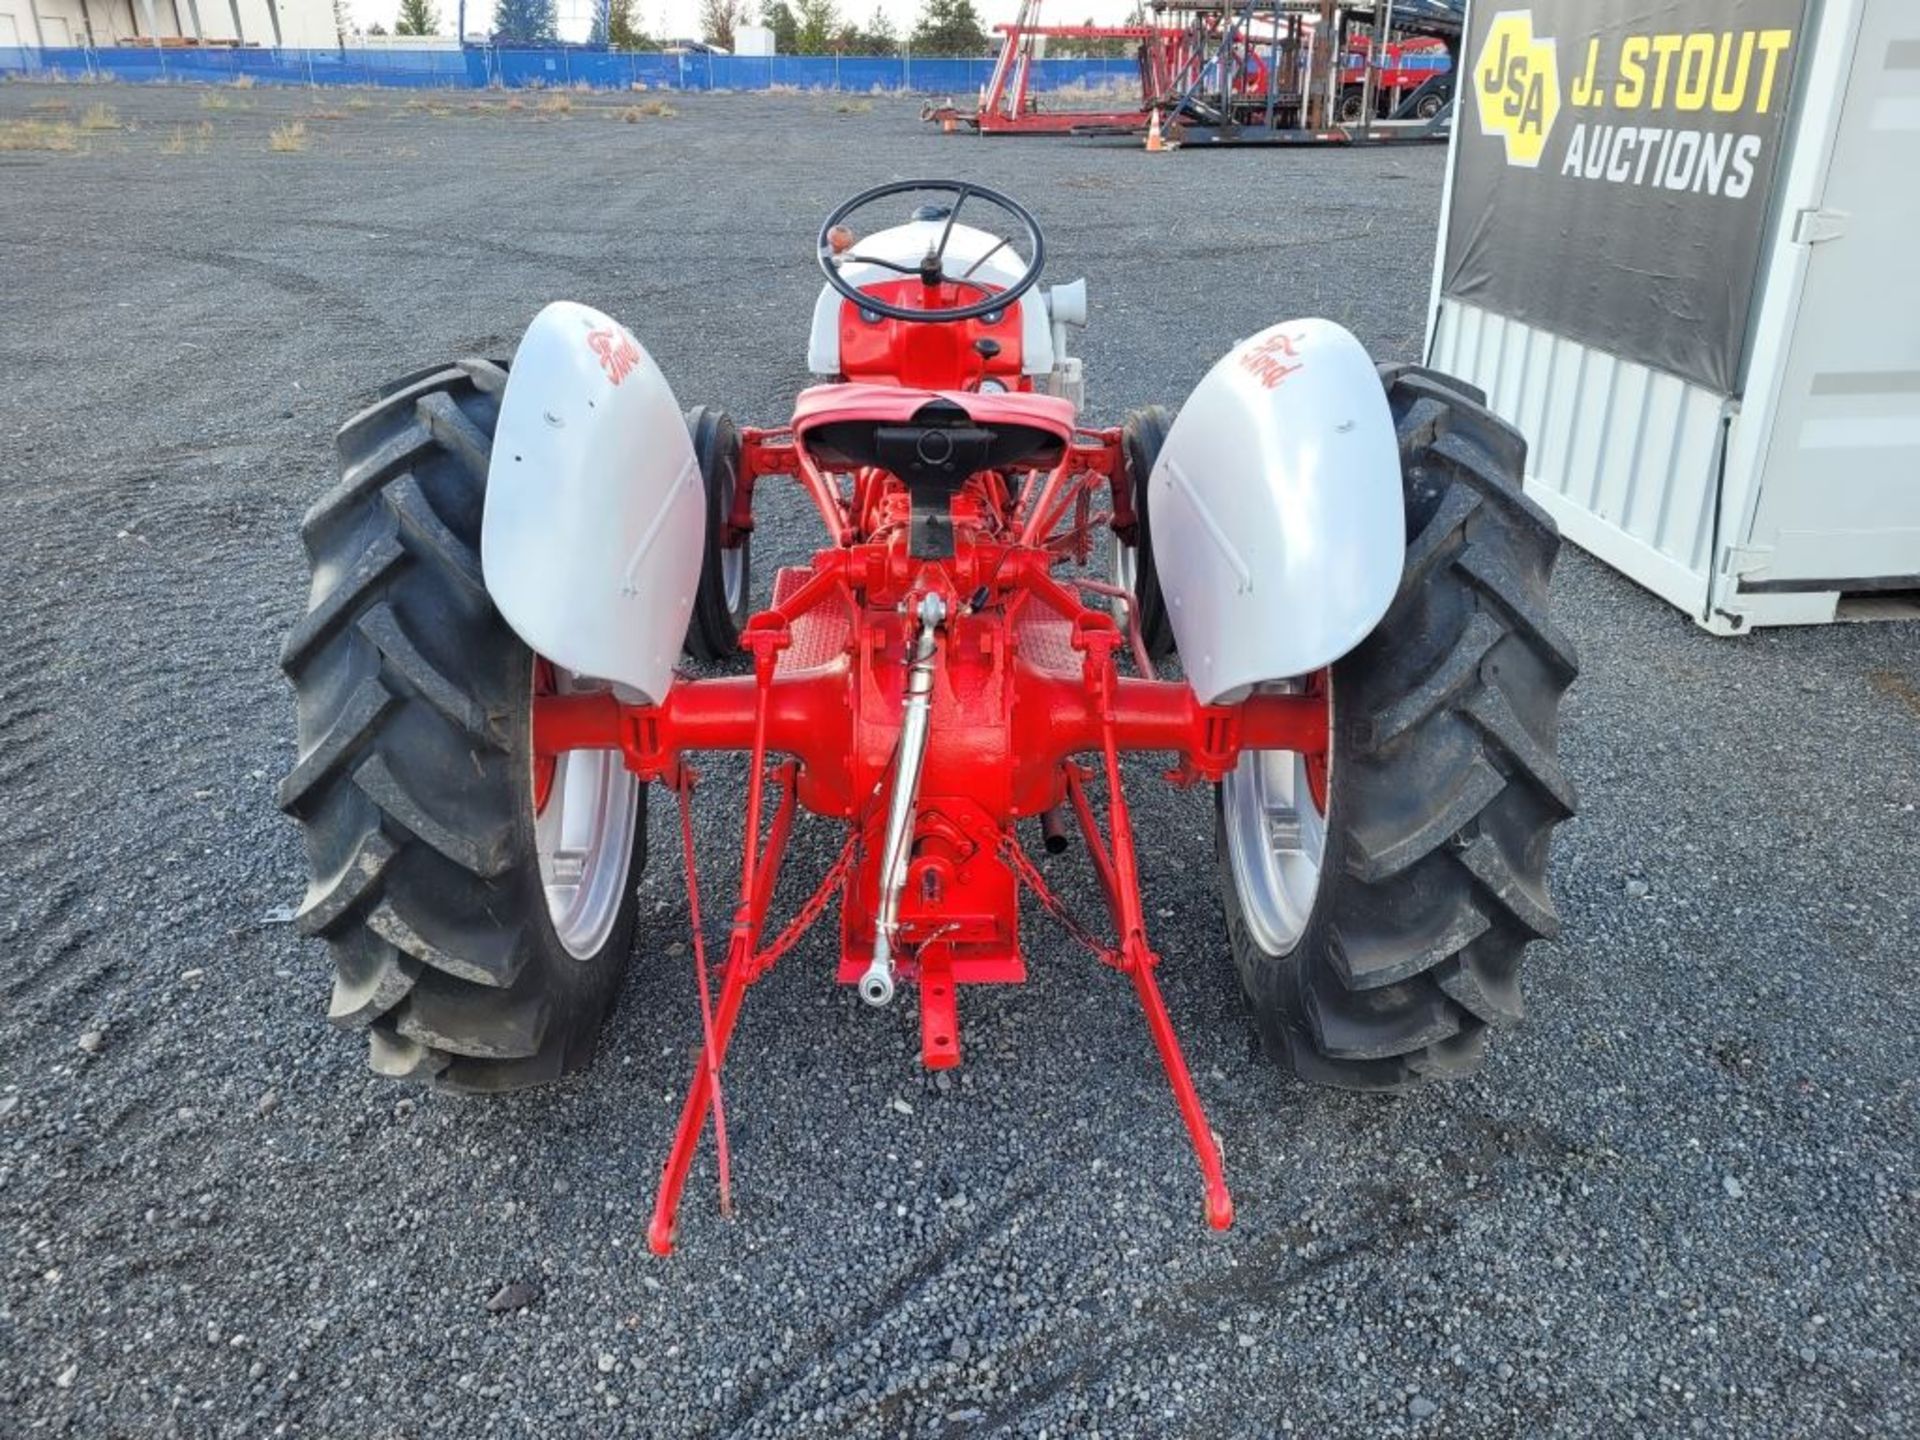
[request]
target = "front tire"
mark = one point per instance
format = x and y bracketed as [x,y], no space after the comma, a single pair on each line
[1444,784]
[465,959]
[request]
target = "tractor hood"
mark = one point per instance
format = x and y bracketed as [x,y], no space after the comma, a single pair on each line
[906,245]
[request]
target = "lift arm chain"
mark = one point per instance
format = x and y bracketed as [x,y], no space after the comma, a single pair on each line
[810,912]
[1029,875]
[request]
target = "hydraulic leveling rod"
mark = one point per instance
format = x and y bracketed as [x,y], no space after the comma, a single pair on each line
[876,986]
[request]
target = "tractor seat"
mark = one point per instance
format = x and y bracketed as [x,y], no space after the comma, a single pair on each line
[931,438]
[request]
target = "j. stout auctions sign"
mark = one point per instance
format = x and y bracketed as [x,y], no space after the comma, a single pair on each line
[1615,170]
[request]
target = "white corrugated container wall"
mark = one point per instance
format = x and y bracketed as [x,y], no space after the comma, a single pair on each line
[59,24]
[1799,501]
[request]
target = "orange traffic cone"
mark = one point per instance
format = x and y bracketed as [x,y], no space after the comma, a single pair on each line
[1155,142]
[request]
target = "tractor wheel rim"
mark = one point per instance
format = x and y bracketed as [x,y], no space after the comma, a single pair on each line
[583,837]
[1276,845]
[733,562]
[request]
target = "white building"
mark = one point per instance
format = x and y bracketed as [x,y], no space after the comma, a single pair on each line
[294,24]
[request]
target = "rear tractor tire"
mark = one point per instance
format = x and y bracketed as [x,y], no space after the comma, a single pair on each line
[1378,914]
[1130,561]
[723,599]
[479,906]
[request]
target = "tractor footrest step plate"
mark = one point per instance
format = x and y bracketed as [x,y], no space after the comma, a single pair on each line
[820,636]
[1045,641]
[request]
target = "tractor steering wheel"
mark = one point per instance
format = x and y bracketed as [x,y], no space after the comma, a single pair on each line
[837,248]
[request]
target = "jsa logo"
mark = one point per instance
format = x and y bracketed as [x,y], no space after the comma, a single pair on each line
[1516,84]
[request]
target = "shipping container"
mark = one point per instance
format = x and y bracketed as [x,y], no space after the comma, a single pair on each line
[1717,368]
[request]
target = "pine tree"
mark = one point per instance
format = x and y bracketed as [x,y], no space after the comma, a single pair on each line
[717,19]
[819,26]
[778,17]
[417,17]
[949,27]
[623,30]
[878,38]
[524,22]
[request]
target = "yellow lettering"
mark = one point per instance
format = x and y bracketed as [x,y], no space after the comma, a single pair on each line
[1492,73]
[1664,48]
[1728,98]
[1583,85]
[1773,44]
[1696,62]
[1632,85]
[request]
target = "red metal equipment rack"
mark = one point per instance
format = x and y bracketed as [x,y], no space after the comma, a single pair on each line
[1236,71]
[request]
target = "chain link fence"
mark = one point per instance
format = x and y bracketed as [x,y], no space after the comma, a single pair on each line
[488,67]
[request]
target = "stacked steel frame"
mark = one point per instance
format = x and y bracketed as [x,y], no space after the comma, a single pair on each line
[1235,68]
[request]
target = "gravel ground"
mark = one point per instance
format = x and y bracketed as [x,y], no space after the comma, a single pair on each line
[1681,1200]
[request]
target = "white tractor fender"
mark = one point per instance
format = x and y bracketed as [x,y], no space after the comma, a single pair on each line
[1277,523]
[596,514]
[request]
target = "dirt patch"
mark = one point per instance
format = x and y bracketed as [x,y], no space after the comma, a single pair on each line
[1892,683]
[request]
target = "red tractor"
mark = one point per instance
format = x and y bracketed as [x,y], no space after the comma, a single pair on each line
[515,557]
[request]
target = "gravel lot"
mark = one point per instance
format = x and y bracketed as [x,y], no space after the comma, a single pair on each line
[1684,1199]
